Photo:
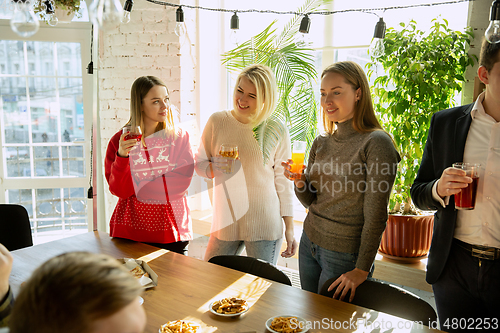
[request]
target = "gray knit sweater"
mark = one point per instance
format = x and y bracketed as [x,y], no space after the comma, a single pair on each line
[349,181]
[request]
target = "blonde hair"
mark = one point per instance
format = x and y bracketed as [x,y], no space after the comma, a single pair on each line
[364,119]
[139,90]
[68,293]
[264,81]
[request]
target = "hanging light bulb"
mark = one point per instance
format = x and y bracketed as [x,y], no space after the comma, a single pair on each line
[180,29]
[303,38]
[235,26]
[305,24]
[50,14]
[106,14]
[377,46]
[127,8]
[24,21]
[492,34]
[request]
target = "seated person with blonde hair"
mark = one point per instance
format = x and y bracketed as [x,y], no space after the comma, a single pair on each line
[79,292]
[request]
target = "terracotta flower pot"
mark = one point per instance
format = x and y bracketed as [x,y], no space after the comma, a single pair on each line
[407,236]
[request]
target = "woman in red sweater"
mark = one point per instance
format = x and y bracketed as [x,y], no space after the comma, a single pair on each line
[151,175]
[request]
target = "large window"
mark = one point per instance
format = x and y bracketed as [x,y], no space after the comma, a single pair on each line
[44,130]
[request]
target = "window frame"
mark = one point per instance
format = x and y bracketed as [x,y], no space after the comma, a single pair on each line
[74,32]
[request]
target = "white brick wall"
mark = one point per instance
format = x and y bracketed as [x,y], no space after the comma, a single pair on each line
[146,45]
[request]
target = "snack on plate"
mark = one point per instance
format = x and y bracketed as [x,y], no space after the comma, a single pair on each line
[179,326]
[230,305]
[286,325]
[139,272]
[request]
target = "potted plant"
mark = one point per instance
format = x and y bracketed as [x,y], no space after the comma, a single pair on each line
[423,74]
[294,66]
[65,10]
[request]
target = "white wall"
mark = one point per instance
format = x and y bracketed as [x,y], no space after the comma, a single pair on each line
[479,18]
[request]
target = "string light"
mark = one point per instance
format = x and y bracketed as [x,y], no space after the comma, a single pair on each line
[235,26]
[106,14]
[24,21]
[50,14]
[365,10]
[492,34]
[180,29]
[303,40]
[305,24]
[127,8]
[377,47]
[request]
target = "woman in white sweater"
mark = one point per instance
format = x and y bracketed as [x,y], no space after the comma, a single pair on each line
[251,203]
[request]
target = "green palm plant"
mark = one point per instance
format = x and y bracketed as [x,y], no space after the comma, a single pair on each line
[295,72]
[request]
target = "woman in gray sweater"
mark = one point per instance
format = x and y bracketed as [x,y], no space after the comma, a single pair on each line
[346,185]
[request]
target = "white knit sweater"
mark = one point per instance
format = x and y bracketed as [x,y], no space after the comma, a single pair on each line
[248,204]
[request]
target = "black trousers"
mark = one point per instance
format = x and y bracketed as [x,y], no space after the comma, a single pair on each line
[468,293]
[177,247]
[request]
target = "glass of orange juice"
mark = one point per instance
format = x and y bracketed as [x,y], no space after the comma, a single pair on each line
[298,153]
[229,151]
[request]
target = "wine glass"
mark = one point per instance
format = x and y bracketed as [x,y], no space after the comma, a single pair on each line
[230,152]
[133,132]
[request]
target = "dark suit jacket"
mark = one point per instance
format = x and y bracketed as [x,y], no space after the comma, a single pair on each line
[445,146]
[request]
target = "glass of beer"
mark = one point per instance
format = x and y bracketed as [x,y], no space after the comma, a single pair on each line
[466,199]
[133,132]
[298,153]
[229,151]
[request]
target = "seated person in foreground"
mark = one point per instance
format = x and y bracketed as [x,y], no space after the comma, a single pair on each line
[6,297]
[79,292]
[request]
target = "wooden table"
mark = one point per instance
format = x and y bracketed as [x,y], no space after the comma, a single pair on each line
[186,286]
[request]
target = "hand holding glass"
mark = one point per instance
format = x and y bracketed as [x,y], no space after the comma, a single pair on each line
[134,132]
[298,153]
[230,154]
[466,199]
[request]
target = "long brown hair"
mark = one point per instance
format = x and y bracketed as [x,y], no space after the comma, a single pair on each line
[364,119]
[139,90]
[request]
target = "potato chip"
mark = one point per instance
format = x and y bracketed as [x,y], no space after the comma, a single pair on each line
[230,305]
[179,326]
[286,325]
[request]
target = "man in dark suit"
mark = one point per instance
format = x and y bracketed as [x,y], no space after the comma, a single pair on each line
[464,259]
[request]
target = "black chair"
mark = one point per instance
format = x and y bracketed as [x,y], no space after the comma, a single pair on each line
[253,266]
[15,228]
[390,299]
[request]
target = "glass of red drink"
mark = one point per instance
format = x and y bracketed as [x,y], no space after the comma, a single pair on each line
[133,132]
[466,199]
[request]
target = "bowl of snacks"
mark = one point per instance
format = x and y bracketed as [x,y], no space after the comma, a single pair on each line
[179,326]
[229,307]
[288,324]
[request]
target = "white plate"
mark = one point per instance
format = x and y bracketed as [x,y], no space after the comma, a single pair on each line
[300,319]
[226,314]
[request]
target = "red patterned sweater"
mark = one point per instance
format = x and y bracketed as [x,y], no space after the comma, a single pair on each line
[151,185]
